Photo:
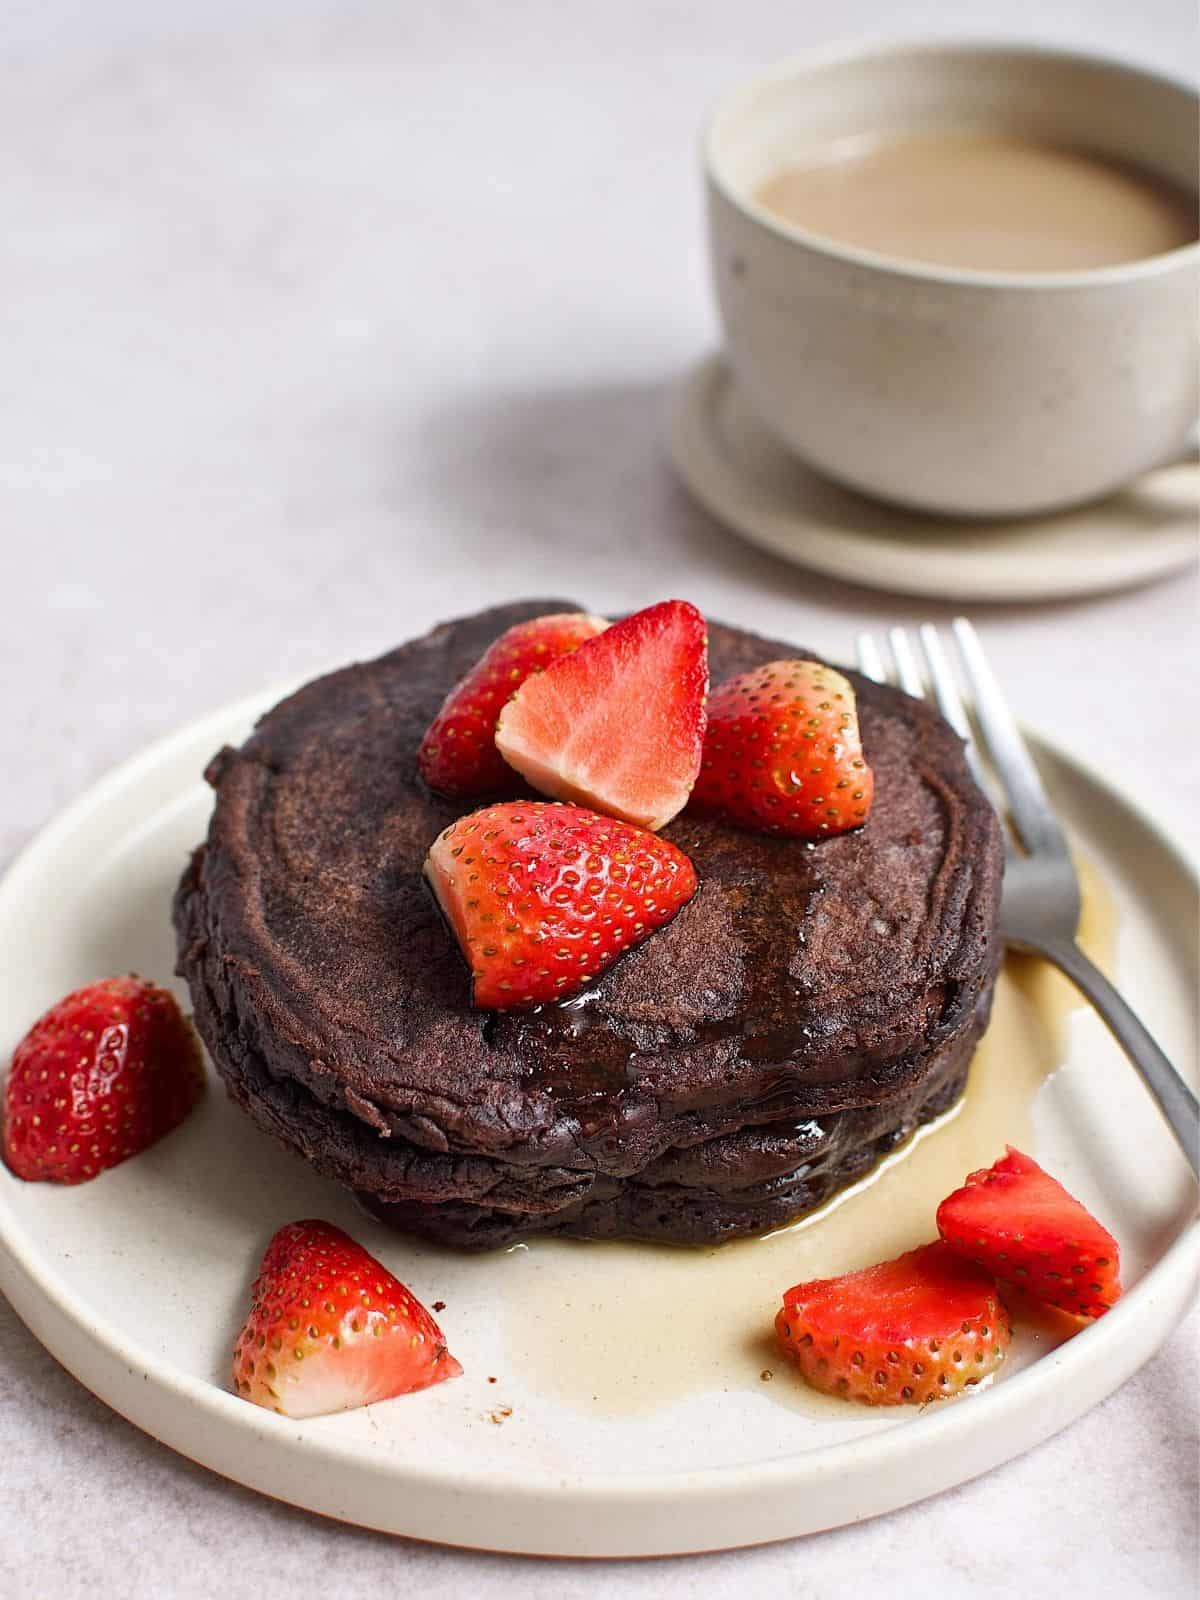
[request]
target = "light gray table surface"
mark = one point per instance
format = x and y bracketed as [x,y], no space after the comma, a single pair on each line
[319,322]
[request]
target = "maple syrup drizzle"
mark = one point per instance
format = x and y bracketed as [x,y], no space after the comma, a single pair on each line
[620,1329]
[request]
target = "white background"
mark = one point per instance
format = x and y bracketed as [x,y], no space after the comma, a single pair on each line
[320,322]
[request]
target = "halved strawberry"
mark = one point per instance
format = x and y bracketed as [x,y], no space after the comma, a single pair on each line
[106,1072]
[782,753]
[1022,1224]
[619,724]
[922,1327]
[458,754]
[544,897]
[331,1329]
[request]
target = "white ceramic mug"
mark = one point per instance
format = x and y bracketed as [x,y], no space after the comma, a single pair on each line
[961,392]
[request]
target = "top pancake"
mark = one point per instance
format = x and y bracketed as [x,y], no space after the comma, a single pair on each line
[801,979]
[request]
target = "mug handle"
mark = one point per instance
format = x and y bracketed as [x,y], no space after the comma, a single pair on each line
[1189,450]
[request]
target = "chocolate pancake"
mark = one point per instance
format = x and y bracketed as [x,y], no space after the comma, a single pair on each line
[839,984]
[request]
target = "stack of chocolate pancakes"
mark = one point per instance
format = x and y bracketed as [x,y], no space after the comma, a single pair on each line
[799,1018]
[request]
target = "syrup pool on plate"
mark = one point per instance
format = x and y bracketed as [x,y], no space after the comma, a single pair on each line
[622,1329]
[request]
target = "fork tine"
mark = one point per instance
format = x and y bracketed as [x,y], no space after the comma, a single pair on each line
[908,674]
[949,700]
[870,662]
[1030,810]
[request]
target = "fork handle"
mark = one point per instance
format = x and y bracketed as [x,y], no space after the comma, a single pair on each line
[1175,1100]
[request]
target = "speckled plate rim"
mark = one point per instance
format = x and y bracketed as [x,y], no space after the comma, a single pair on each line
[605,1514]
[993,563]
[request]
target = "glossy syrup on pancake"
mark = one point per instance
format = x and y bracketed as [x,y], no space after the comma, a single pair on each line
[702,1320]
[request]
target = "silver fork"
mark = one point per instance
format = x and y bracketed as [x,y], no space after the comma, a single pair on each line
[1040,905]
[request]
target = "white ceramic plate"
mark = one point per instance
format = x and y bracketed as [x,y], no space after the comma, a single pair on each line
[738,471]
[612,1402]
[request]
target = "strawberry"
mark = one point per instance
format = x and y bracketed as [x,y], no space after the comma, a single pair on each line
[542,897]
[330,1329]
[619,724]
[458,754]
[922,1327]
[1022,1224]
[106,1072]
[782,753]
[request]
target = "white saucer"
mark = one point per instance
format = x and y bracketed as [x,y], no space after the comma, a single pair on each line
[737,470]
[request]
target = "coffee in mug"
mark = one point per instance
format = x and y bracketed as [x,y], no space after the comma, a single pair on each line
[984,201]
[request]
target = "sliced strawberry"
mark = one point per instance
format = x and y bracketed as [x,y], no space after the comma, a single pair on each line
[1023,1225]
[619,724]
[107,1071]
[331,1329]
[782,753]
[922,1327]
[458,754]
[542,897]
